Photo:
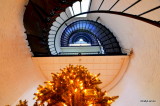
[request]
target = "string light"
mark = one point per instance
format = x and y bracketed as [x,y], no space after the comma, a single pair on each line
[74,86]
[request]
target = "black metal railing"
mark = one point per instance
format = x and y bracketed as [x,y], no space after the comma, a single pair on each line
[109,11]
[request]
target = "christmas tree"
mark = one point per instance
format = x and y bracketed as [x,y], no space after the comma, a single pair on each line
[73,86]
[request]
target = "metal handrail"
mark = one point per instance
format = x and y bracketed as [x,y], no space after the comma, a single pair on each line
[121,13]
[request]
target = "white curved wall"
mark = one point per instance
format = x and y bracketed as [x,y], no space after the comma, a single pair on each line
[18,75]
[142,80]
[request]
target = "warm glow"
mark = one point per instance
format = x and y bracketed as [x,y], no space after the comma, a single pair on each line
[35,97]
[109,101]
[71,81]
[76,90]
[75,85]
[64,104]
[41,94]
[81,87]
[90,105]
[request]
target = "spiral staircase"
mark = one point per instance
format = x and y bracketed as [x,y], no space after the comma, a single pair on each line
[44,19]
[50,27]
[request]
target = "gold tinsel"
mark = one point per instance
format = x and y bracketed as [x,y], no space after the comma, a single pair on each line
[73,86]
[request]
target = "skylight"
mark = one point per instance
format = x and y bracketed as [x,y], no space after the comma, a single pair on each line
[80,42]
[76,8]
